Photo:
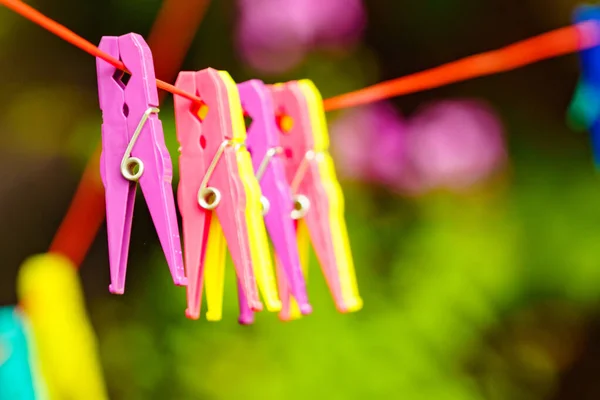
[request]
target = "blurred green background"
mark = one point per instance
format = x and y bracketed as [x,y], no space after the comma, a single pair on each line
[485,293]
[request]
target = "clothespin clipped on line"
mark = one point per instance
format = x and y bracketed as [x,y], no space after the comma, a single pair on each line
[585,107]
[335,197]
[318,197]
[219,197]
[19,374]
[52,300]
[133,149]
[263,144]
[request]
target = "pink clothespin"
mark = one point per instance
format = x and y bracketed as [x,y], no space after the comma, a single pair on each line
[133,149]
[278,205]
[302,173]
[210,184]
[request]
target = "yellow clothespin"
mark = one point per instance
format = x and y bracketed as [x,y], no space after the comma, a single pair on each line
[50,295]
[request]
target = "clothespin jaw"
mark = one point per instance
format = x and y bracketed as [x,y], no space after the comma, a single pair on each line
[217,187]
[585,107]
[317,195]
[133,149]
[278,204]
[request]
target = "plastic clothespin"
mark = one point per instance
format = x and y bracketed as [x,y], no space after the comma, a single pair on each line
[278,204]
[19,378]
[318,197]
[217,180]
[133,149]
[335,196]
[52,301]
[585,108]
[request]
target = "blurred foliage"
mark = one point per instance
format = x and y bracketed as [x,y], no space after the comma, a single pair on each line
[487,295]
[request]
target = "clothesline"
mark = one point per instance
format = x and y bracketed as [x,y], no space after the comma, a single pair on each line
[74,238]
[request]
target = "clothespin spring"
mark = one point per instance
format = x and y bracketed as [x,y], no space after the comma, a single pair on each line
[208,196]
[129,163]
[301,202]
[262,168]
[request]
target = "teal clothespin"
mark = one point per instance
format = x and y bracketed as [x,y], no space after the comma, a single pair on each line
[18,378]
[584,107]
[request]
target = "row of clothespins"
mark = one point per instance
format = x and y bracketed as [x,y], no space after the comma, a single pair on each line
[234,182]
[235,186]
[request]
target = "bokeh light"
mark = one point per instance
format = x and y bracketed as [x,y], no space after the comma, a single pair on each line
[452,144]
[275,35]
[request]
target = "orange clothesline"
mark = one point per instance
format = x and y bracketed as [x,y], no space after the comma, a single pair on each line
[75,236]
[68,35]
[548,45]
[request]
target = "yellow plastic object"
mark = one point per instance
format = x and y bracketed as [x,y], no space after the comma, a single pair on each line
[50,295]
[214,270]
[335,196]
[34,361]
[259,243]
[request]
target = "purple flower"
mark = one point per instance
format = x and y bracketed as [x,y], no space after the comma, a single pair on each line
[450,144]
[275,35]
[368,143]
[455,144]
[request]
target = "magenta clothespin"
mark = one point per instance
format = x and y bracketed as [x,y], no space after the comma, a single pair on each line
[133,149]
[263,144]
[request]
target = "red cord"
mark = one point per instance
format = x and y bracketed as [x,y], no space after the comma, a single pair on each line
[68,35]
[548,45]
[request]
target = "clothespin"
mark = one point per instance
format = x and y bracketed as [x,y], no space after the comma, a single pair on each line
[335,196]
[219,197]
[317,194]
[19,378]
[585,108]
[278,204]
[51,298]
[133,149]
